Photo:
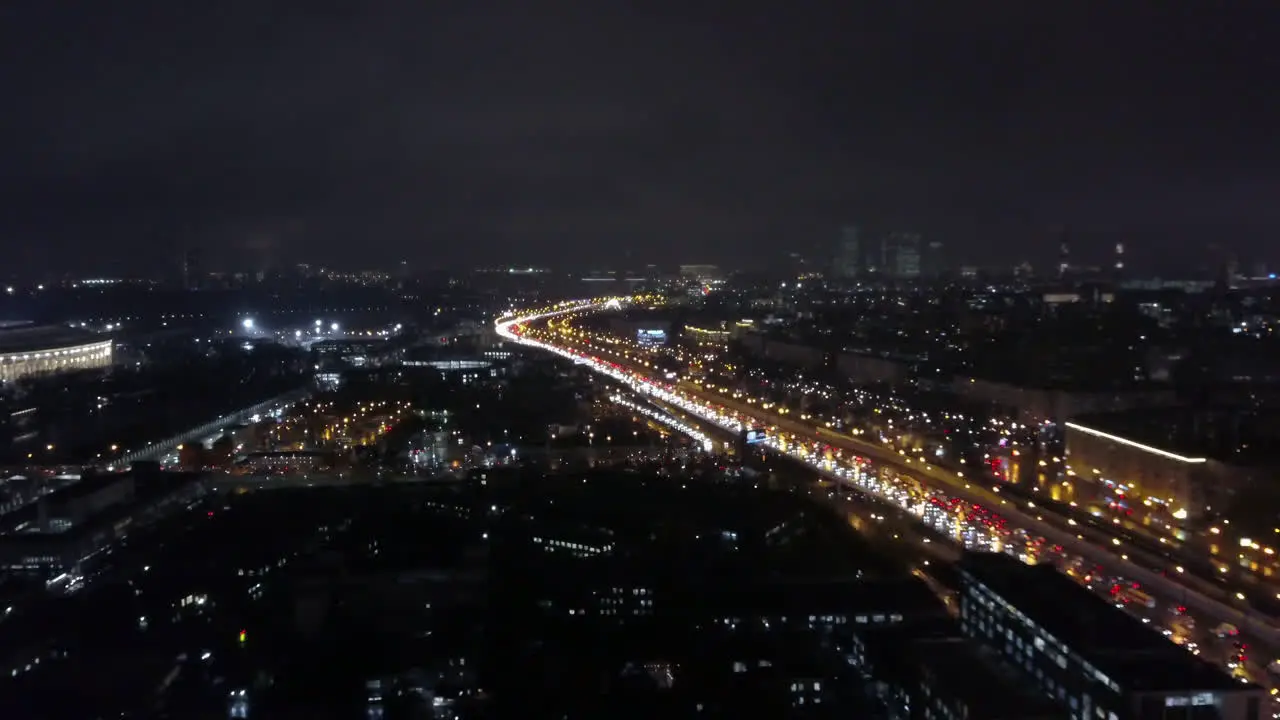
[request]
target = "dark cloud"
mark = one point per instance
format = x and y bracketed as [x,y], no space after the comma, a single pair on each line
[362,133]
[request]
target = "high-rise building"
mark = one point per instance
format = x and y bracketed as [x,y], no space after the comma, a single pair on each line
[193,271]
[900,255]
[1064,250]
[1097,660]
[932,262]
[797,266]
[907,262]
[701,273]
[848,259]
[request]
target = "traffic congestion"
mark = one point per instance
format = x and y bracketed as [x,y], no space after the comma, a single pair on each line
[968,524]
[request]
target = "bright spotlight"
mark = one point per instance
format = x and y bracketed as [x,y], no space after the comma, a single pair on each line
[334,327]
[319,323]
[247,323]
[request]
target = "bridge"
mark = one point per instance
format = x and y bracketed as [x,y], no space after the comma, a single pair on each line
[157,450]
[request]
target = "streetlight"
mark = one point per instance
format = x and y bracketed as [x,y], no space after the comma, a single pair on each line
[247,323]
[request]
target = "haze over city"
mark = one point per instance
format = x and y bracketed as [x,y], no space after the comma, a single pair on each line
[575,134]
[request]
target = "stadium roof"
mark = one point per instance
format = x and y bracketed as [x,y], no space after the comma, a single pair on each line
[34,338]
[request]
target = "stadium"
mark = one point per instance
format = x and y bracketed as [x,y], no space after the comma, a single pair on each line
[27,350]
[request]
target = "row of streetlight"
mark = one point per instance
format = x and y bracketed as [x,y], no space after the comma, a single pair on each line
[249,324]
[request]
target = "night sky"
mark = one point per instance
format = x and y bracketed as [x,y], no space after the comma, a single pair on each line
[610,133]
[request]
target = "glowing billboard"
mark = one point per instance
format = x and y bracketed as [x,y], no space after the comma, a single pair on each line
[651,337]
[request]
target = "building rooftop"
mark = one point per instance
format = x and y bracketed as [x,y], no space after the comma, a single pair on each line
[344,343]
[1230,435]
[89,484]
[936,654]
[1114,642]
[988,686]
[32,338]
[907,598]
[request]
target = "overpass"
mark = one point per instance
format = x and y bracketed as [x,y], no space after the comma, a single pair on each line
[160,448]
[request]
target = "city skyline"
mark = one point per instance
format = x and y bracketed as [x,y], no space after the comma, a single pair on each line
[254,474]
[561,359]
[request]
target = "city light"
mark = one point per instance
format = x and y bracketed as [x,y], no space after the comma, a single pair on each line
[1132,444]
[247,323]
[990,533]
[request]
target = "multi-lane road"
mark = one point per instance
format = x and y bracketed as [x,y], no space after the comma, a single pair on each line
[1160,567]
[928,488]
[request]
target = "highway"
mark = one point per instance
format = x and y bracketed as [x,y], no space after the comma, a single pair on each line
[898,531]
[1103,543]
[919,484]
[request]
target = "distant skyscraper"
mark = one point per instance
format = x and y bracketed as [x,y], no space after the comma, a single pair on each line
[906,261]
[900,255]
[1064,250]
[701,273]
[797,265]
[932,262]
[848,259]
[193,271]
